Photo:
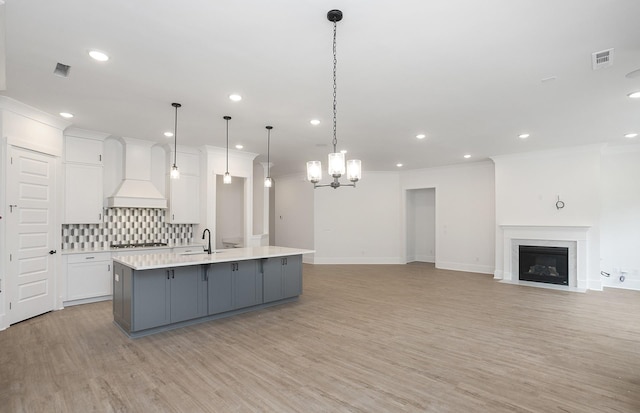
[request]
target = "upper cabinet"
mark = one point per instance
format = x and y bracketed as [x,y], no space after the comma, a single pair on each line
[184,192]
[83,157]
[83,150]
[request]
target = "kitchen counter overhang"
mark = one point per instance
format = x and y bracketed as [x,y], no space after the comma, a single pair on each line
[164,260]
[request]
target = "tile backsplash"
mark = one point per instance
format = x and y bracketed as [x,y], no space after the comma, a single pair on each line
[125,226]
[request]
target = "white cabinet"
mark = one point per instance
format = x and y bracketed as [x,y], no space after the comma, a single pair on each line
[184,200]
[83,150]
[83,194]
[83,189]
[184,193]
[88,277]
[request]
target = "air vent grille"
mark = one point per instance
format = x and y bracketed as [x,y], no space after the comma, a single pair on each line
[61,70]
[602,59]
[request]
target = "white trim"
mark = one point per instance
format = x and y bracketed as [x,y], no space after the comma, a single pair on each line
[458,266]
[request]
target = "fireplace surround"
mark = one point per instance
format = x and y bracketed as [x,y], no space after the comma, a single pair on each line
[574,238]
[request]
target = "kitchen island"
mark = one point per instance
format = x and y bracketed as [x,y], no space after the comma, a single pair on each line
[163,291]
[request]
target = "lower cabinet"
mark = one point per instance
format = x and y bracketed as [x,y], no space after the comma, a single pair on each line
[234,285]
[152,298]
[88,277]
[282,277]
[146,299]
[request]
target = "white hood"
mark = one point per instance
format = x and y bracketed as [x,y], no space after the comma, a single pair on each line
[136,189]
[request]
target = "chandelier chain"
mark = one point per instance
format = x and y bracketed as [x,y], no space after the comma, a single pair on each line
[335,64]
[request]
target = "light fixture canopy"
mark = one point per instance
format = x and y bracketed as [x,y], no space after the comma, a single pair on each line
[175,173]
[227,177]
[268,182]
[336,160]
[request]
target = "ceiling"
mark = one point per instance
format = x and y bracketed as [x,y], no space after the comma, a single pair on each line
[471,75]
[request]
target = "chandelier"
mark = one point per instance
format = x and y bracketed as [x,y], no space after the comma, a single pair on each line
[336,162]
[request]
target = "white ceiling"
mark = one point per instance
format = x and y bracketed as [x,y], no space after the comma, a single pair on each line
[467,73]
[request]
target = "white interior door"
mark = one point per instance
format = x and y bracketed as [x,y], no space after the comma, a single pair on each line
[31,192]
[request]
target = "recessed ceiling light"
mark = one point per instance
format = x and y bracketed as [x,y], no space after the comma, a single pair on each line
[314,122]
[168,134]
[399,165]
[630,135]
[235,97]
[99,56]
[66,115]
[421,136]
[238,146]
[467,156]
[523,136]
[634,95]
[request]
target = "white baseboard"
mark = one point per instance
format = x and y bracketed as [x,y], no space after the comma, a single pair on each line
[458,266]
[357,260]
[424,258]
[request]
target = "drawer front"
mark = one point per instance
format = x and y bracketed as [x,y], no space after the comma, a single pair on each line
[88,257]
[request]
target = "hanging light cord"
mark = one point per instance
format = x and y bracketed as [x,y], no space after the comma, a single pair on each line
[269,151]
[175,137]
[227,119]
[335,63]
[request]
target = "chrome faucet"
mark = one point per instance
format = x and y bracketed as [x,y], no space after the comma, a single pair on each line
[208,249]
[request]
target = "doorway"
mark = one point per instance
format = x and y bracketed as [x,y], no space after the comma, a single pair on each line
[421,225]
[230,213]
[31,195]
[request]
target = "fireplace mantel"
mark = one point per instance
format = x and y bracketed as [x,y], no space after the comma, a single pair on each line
[574,237]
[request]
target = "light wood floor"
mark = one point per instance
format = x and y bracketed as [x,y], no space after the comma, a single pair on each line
[361,339]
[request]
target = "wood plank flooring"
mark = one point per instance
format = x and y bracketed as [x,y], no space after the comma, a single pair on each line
[361,338]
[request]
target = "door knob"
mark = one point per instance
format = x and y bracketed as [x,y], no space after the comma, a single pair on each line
[52,252]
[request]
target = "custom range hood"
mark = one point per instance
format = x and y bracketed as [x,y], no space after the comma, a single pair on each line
[136,189]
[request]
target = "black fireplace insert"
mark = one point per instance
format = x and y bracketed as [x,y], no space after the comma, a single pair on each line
[544,264]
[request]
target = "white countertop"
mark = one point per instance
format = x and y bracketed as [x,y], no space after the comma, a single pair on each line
[170,259]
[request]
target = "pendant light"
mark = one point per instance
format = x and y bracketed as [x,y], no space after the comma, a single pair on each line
[227,178]
[175,173]
[336,159]
[267,181]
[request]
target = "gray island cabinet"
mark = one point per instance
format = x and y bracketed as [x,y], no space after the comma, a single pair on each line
[158,292]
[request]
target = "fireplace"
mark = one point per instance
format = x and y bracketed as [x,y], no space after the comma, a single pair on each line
[575,238]
[544,264]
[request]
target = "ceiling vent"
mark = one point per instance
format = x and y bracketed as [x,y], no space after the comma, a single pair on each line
[602,59]
[61,70]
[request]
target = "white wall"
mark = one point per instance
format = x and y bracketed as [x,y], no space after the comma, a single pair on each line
[527,189]
[620,216]
[421,225]
[359,225]
[465,217]
[293,214]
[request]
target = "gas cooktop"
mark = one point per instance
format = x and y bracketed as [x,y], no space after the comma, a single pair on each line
[140,245]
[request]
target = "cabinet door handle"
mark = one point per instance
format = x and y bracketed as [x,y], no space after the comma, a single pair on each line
[173,273]
[109,267]
[168,274]
[100,158]
[86,258]
[99,217]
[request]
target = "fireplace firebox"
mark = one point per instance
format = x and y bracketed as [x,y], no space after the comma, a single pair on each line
[544,264]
